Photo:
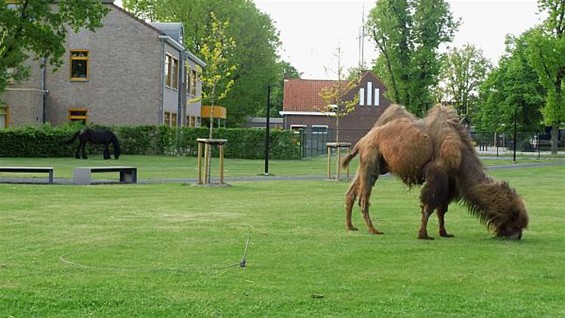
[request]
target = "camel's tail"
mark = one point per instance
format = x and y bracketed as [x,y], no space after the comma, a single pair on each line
[70,141]
[345,161]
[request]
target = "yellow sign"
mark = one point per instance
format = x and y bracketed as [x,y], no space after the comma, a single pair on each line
[218,112]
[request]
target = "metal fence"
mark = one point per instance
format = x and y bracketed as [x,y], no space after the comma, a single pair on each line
[525,141]
[313,140]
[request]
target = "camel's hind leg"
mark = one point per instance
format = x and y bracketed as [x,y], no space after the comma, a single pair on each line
[441,217]
[423,233]
[366,181]
[350,197]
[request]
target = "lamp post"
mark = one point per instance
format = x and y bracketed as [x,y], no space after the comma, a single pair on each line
[267,128]
[515,139]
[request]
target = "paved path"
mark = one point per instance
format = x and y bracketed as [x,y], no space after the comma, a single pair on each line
[43,180]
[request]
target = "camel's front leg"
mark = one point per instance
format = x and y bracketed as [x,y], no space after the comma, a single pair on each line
[441,217]
[423,233]
[368,221]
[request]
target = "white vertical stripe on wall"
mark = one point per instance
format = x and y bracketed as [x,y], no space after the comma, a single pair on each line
[377,97]
[361,97]
[369,93]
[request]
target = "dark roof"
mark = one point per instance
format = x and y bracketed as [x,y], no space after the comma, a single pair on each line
[173,29]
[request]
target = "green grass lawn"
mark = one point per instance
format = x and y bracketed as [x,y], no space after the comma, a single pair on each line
[173,250]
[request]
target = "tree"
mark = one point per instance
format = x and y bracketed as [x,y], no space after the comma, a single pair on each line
[35,28]
[546,49]
[287,71]
[512,88]
[407,34]
[462,71]
[255,54]
[333,95]
[216,50]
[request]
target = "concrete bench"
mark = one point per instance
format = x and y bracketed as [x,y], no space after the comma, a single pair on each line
[83,175]
[48,170]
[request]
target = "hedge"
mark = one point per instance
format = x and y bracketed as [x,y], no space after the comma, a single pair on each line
[245,143]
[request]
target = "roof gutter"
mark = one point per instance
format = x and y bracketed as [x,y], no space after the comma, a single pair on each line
[181,48]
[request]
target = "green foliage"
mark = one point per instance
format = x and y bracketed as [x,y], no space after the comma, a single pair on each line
[255,54]
[545,51]
[38,28]
[408,34]
[463,70]
[511,87]
[48,141]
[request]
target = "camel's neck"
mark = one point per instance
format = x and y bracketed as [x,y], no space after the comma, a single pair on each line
[472,173]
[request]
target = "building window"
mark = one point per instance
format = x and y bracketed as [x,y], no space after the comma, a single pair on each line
[187,83]
[171,71]
[79,65]
[78,114]
[191,121]
[168,70]
[167,119]
[369,94]
[377,97]
[361,97]
[4,116]
[175,74]
[319,129]
[193,79]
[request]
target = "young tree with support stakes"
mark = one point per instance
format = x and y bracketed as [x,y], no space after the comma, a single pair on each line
[216,50]
[333,95]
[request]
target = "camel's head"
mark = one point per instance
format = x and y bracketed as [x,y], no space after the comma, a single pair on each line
[513,218]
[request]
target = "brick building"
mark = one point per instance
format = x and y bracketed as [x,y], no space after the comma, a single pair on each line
[302,106]
[128,72]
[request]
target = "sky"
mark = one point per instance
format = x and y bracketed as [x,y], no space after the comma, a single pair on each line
[311,31]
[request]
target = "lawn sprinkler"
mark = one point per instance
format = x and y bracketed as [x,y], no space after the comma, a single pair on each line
[243,261]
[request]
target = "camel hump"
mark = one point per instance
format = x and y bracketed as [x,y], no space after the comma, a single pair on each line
[450,153]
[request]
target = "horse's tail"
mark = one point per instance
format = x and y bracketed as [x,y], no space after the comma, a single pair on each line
[115,144]
[345,161]
[70,141]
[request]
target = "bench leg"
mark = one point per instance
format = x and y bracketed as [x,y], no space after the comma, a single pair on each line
[51,176]
[81,176]
[129,176]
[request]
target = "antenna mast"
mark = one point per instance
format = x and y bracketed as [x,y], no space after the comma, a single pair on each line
[362,42]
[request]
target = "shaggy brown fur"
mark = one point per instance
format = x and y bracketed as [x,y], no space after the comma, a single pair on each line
[438,153]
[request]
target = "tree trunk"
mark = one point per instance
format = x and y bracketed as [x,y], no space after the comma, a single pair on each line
[554,138]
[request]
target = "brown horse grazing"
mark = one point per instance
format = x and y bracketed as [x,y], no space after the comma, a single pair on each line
[436,152]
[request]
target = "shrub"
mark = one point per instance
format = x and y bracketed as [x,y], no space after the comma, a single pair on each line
[49,141]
